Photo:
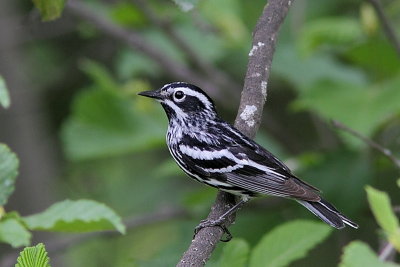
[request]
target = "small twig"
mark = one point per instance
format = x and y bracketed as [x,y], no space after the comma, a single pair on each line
[218,76]
[386,251]
[134,40]
[386,152]
[387,27]
[396,209]
[248,120]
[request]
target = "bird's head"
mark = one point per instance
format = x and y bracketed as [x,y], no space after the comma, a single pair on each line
[182,100]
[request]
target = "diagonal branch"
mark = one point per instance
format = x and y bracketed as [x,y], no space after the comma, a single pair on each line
[387,26]
[387,250]
[217,76]
[248,120]
[134,40]
[385,151]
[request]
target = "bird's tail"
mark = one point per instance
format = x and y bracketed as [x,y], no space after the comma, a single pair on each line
[328,213]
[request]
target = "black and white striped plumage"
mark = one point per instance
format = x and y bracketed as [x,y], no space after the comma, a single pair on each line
[213,152]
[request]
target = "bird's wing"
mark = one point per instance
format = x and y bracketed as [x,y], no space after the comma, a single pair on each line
[263,173]
[237,161]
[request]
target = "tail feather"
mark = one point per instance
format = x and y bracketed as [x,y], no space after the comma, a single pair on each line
[328,213]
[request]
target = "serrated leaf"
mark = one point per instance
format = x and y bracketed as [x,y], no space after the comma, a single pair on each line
[235,254]
[288,242]
[49,9]
[381,208]
[75,216]
[359,254]
[14,233]
[4,96]
[33,257]
[8,173]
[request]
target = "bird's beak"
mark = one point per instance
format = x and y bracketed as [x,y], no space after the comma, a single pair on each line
[152,94]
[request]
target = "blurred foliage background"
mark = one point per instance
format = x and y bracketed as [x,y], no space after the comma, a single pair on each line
[80,130]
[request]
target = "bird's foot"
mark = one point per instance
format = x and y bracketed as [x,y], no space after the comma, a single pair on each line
[211,223]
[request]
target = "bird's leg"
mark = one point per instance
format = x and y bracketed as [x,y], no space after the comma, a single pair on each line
[221,220]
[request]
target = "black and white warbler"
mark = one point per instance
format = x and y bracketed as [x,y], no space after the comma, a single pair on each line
[213,152]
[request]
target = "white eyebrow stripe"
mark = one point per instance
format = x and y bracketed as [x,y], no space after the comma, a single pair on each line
[191,92]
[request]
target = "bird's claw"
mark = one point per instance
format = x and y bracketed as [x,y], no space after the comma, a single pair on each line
[211,223]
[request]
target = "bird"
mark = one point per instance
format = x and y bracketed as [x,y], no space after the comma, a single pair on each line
[212,151]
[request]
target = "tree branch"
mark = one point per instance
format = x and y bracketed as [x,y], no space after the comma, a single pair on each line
[247,121]
[137,42]
[387,251]
[385,151]
[387,27]
[219,77]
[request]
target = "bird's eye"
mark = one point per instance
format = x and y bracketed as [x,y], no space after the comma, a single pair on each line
[179,96]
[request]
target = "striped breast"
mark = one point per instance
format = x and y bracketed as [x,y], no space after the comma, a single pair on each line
[205,166]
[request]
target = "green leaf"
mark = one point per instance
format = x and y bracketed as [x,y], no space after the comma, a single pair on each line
[163,43]
[329,31]
[14,233]
[33,257]
[359,254]
[130,63]
[106,123]
[288,242]
[226,15]
[209,47]
[235,254]
[381,64]
[304,72]
[76,216]
[49,9]
[8,173]
[127,14]
[362,108]
[369,19]
[337,168]
[99,74]
[381,208]
[4,96]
